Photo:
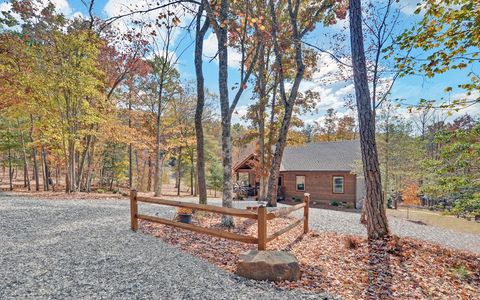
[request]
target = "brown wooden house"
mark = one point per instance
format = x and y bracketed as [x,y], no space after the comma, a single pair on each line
[325,170]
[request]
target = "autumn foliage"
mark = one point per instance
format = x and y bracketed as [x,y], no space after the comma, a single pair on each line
[410,194]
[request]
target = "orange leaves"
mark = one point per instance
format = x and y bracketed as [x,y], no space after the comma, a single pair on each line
[410,194]
[400,268]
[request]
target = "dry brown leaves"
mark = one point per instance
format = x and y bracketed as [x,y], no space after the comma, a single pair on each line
[397,268]
[61,195]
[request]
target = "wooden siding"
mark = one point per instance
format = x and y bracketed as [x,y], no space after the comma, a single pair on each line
[320,186]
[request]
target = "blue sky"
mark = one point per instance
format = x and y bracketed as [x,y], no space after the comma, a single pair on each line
[411,88]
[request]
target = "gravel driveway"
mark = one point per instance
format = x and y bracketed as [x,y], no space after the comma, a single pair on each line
[84,249]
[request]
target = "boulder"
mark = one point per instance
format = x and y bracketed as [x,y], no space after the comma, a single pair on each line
[268,265]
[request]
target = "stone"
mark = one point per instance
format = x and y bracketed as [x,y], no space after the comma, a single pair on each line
[268,265]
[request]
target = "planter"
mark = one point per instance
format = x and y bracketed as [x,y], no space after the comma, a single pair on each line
[185,218]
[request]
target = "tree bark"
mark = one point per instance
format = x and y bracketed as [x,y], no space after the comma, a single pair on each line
[200,34]
[261,120]
[149,179]
[222,34]
[81,167]
[130,149]
[377,225]
[34,156]
[179,171]
[227,109]
[25,164]
[10,171]
[289,101]
[192,173]
[46,171]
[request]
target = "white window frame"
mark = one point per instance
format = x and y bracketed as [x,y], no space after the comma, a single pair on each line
[296,183]
[334,188]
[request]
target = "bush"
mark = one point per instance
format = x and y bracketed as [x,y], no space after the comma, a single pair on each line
[100,191]
[296,199]
[334,203]
[349,206]
[467,207]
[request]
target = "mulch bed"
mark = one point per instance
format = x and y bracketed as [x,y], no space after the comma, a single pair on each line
[347,266]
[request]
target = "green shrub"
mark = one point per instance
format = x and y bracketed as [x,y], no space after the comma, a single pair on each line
[334,203]
[467,207]
[349,206]
[461,273]
[100,191]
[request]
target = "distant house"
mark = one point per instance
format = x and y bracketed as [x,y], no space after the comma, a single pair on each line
[322,169]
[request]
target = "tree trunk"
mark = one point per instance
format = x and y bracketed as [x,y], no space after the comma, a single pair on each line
[149,179]
[130,150]
[227,197]
[25,164]
[88,180]
[81,167]
[192,172]
[179,171]
[377,225]
[200,34]
[157,185]
[46,171]
[10,172]
[261,120]
[34,156]
[289,101]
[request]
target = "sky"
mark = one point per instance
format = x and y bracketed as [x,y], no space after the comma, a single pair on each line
[333,95]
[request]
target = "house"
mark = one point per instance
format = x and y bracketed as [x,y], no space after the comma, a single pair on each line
[324,169]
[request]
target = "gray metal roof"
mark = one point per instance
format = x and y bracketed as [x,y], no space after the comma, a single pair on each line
[323,156]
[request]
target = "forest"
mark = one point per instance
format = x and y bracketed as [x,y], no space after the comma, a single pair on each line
[87,105]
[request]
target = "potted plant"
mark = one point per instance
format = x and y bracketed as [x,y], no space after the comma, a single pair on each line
[184,214]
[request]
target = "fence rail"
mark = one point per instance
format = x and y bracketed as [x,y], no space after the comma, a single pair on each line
[261,216]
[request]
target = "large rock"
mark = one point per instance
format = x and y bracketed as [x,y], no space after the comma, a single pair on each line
[268,265]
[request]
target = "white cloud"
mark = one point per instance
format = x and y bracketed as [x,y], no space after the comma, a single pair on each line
[408,7]
[329,81]
[239,113]
[61,6]
[210,46]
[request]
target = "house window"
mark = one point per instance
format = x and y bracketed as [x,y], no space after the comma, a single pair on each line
[300,183]
[338,184]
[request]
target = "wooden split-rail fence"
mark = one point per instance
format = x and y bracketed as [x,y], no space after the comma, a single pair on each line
[261,215]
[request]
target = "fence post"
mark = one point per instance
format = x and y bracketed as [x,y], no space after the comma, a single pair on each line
[262,227]
[306,200]
[133,209]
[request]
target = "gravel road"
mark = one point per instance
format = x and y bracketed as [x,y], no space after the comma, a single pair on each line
[84,249]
